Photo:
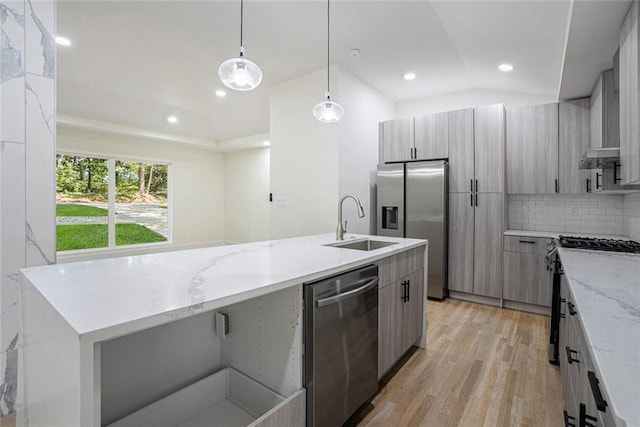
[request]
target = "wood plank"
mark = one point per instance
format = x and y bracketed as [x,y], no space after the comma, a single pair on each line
[482,366]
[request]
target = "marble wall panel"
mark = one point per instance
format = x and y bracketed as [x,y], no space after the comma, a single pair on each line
[40,170]
[39,37]
[12,71]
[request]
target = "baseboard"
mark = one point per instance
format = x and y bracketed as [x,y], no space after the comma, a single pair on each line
[531,308]
[474,298]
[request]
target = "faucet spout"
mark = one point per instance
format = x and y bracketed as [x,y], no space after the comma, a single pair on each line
[340,229]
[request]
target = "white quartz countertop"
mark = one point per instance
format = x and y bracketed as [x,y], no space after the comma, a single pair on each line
[112,297]
[606,289]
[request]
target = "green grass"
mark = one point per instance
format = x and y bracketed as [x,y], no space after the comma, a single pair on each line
[69,209]
[87,236]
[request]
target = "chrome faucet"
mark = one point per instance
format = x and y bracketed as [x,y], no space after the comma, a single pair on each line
[341,230]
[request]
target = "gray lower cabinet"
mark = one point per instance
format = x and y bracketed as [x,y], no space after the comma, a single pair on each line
[630,96]
[577,366]
[532,150]
[461,228]
[526,277]
[396,140]
[401,306]
[475,243]
[487,256]
[573,140]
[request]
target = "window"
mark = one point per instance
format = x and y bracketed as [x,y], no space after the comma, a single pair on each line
[102,202]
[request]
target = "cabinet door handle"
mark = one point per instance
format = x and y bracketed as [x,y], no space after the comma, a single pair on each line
[404,291]
[569,421]
[588,185]
[471,185]
[585,419]
[616,178]
[570,358]
[557,189]
[408,290]
[598,176]
[572,308]
[527,241]
[476,185]
[601,404]
[476,199]
[471,199]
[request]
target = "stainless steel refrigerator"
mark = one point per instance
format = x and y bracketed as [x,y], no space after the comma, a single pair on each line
[413,202]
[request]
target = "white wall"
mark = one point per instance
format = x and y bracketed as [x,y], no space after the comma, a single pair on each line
[247,211]
[470,98]
[364,108]
[304,159]
[196,180]
[631,208]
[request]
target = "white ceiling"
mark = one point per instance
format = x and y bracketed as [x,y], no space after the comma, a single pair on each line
[134,63]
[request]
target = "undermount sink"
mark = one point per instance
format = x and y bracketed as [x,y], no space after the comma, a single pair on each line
[362,245]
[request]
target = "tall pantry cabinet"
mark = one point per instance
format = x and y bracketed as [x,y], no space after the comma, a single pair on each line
[476,201]
[473,140]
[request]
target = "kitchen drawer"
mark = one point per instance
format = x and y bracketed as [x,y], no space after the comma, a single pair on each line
[530,245]
[395,267]
[227,397]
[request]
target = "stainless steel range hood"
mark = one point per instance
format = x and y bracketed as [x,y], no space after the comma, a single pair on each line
[600,158]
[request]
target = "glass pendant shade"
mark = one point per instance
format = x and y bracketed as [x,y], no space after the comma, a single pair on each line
[328,111]
[240,74]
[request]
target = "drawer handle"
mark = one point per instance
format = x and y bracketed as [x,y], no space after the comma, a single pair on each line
[570,354]
[601,404]
[585,419]
[527,241]
[572,308]
[569,421]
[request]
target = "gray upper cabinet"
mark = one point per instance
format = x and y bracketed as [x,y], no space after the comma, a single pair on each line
[630,96]
[461,151]
[532,150]
[396,140]
[573,140]
[489,149]
[432,136]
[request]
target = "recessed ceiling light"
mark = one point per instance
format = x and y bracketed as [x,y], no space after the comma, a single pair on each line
[354,53]
[410,76]
[63,41]
[172,119]
[505,67]
[266,143]
[220,93]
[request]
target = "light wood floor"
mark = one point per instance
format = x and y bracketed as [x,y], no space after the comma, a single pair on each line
[483,366]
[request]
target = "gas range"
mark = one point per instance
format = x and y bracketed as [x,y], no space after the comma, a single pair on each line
[595,244]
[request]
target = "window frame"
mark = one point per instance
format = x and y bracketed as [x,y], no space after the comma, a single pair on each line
[111,247]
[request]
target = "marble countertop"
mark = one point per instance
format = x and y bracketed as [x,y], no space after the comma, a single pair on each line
[606,289]
[112,297]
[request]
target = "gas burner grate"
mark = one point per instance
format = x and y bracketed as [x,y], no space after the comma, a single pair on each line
[611,245]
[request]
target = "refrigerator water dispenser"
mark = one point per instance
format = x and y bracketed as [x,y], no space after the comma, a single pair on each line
[390,217]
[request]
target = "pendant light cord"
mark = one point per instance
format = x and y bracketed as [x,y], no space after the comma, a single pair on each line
[328,44]
[241,20]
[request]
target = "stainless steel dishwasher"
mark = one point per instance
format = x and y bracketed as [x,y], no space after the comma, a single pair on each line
[341,345]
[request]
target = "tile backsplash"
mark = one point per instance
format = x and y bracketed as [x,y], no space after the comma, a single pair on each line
[594,214]
[631,209]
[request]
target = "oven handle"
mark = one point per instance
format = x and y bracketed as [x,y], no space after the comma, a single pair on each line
[370,283]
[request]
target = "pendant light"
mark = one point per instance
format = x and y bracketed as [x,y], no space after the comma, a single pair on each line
[328,111]
[240,73]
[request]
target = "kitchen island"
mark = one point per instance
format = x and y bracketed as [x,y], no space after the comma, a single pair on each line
[91,328]
[602,299]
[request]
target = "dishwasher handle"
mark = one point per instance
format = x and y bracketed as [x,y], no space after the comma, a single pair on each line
[370,283]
